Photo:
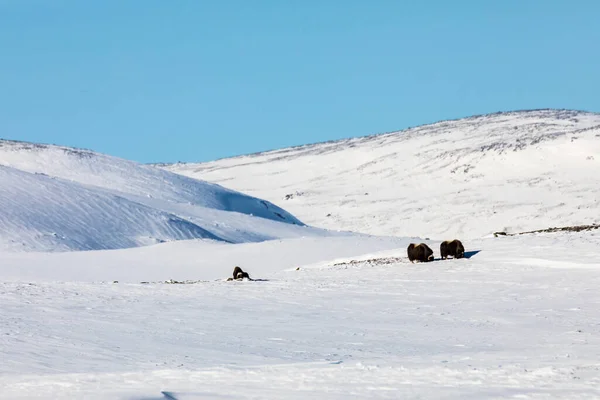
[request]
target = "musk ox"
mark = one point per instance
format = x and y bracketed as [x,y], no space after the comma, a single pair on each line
[419,252]
[452,248]
[238,273]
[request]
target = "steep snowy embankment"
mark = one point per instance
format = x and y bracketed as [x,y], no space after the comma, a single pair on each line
[510,171]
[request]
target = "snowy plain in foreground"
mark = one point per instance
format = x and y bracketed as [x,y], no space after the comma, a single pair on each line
[519,319]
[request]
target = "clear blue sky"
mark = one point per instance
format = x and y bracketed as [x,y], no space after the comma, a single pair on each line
[195,80]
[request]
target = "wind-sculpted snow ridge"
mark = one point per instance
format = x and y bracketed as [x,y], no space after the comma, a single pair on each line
[508,171]
[48,215]
[131,178]
[58,199]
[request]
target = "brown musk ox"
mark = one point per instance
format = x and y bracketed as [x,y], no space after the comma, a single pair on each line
[238,273]
[452,248]
[419,252]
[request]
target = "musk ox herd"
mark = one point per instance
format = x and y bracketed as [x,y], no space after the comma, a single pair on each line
[423,253]
[416,252]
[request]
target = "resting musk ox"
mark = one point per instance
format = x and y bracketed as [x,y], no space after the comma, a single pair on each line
[239,274]
[420,252]
[452,248]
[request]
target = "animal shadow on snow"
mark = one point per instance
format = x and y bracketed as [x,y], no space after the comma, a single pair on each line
[469,254]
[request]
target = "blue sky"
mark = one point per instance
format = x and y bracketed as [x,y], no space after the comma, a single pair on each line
[195,80]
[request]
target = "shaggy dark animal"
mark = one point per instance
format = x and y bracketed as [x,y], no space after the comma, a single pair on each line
[452,248]
[419,252]
[239,274]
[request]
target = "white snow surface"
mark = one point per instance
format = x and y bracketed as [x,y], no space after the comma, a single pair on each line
[329,315]
[518,319]
[509,171]
[59,199]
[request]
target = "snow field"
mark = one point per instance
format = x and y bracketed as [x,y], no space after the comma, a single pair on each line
[518,319]
[334,314]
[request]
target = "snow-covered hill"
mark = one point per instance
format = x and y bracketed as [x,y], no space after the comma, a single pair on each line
[509,171]
[331,315]
[57,198]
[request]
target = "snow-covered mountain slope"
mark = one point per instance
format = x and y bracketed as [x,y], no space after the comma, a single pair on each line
[510,171]
[56,199]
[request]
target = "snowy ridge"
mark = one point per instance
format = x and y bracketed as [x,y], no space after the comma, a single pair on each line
[509,171]
[30,199]
[58,199]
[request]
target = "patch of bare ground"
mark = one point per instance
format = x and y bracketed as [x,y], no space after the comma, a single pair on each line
[575,228]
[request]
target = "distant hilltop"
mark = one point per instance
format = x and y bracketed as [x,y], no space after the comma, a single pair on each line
[508,171]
